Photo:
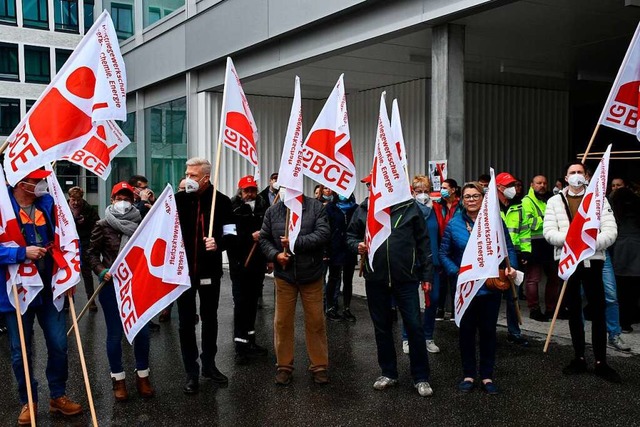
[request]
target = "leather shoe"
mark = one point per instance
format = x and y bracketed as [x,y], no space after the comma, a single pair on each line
[321,377]
[65,406]
[191,386]
[215,375]
[143,385]
[119,390]
[466,386]
[24,419]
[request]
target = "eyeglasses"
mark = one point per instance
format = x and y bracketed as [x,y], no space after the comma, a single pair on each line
[472,196]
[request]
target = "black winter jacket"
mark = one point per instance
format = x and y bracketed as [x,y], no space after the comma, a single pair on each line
[338,252]
[306,265]
[194,211]
[85,221]
[406,255]
[247,222]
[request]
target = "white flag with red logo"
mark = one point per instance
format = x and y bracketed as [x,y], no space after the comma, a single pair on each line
[104,144]
[328,156]
[66,244]
[389,184]
[396,128]
[485,250]
[238,131]
[151,271]
[25,275]
[290,173]
[621,110]
[582,236]
[90,87]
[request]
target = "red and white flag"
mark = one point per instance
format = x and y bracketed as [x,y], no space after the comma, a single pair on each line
[583,231]
[396,128]
[485,250]
[104,144]
[25,275]
[151,271]
[328,156]
[238,131]
[91,87]
[66,244]
[389,184]
[621,110]
[290,173]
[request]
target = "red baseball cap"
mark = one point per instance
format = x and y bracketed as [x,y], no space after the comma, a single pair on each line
[505,178]
[38,174]
[366,179]
[247,182]
[122,186]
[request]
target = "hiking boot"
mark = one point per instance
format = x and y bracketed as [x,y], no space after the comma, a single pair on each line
[432,347]
[576,367]
[348,316]
[143,385]
[607,373]
[333,315]
[120,392]
[283,377]
[424,389]
[24,419]
[617,343]
[537,315]
[384,383]
[65,406]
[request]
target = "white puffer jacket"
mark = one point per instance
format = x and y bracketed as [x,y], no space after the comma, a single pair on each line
[556,225]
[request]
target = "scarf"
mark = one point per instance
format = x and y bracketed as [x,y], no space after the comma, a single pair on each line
[124,223]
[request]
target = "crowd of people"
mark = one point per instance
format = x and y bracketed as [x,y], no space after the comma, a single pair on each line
[422,255]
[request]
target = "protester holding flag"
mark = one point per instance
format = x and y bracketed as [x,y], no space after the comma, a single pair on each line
[561,210]
[34,212]
[482,312]
[109,237]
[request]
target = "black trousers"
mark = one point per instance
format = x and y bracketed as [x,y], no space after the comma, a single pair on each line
[591,281]
[628,294]
[339,273]
[209,299]
[246,287]
[85,269]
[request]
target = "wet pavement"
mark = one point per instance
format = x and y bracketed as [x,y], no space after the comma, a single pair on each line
[533,390]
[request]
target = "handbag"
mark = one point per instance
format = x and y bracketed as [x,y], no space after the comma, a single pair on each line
[500,283]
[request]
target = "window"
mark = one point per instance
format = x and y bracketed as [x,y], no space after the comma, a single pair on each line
[9,62]
[155,14]
[9,115]
[155,10]
[122,15]
[61,57]
[35,14]
[66,15]
[88,14]
[8,12]
[37,65]
[29,103]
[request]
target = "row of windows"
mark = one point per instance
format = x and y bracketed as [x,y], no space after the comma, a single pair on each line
[37,63]
[10,114]
[35,14]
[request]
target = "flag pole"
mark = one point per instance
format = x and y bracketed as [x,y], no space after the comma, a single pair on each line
[86,307]
[83,363]
[255,244]
[23,347]
[514,293]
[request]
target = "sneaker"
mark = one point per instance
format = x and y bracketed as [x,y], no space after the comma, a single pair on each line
[65,406]
[617,343]
[321,377]
[537,315]
[333,315]
[607,373]
[518,340]
[424,389]
[439,314]
[24,419]
[348,316]
[576,367]
[432,347]
[405,347]
[283,377]
[384,383]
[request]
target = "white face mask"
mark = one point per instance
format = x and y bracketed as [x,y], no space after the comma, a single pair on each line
[39,189]
[122,206]
[509,193]
[577,180]
[252,204]
[281,192]
[422,198]
[556,190]
[191,185]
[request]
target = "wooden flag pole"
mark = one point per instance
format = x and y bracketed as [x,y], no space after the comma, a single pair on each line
[25,361]
[286,228]
[515,294]
[255,244]
[83,363]
[86,307]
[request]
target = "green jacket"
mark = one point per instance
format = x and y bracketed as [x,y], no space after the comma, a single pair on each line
[533,209]
[518,226]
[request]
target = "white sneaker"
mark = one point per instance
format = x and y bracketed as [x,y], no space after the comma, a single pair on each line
[432,347]
[405,346]
[424,389]
[617,343]
[384,382]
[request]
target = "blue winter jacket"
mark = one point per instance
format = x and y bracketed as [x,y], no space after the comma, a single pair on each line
[454,242]
[18,255]
[429,215]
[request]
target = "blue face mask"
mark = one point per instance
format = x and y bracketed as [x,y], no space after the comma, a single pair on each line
[327,198]
[342,198]
[444,193]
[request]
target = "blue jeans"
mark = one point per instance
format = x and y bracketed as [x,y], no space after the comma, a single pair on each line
[114,334]
[611,309]
[406,297]
[481,315]
[53,324]
[429,318]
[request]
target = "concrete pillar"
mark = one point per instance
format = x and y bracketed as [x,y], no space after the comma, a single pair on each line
[447,98]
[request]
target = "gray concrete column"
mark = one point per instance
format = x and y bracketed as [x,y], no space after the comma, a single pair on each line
[447,98]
